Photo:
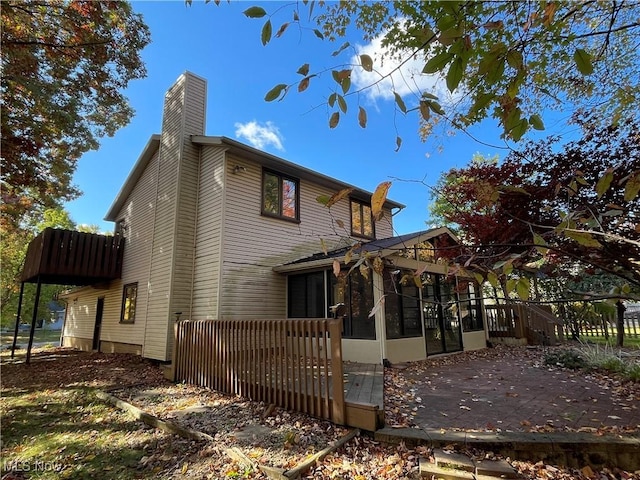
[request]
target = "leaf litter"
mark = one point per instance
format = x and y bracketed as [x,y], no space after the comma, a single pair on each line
[272,436]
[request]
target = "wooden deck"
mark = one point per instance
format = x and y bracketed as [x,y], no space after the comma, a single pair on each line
[364,395]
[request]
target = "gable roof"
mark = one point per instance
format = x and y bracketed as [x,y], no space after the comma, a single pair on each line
[233,146]
[384,247]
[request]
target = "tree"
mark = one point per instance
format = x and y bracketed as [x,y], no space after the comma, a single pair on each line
[64,65]
[577,204]
[551,211]
[12,254]
[507,60]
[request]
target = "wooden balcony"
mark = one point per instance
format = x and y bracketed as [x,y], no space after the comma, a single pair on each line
[66,257]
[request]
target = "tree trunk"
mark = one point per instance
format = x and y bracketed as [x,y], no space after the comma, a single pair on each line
[620,323]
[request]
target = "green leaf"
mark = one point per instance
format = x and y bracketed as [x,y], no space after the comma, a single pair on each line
[482,101]
[323,199]
[479,278]
[436,108]
[304,70]
[334,120]
[275,92]
[255,12]
[538,240]
[266,32]
[319,34]
[632,187]
[511,285]
[345,84]
[362,117]
[332,99]
[437,63]
[342,104]
[454,75]
[450,35]
[400,102]
[514,59]
[583,238]
[523,288]
[367,63]
[493,279]
[604,182]
[508,268]
[519,129]
[583,61]
[536,122]
[398,143]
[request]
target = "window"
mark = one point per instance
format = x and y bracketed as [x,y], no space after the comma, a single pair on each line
[361,219]
[307,295]
[279,196]
[470,310]
[355,291]
[129,296]
[402,306]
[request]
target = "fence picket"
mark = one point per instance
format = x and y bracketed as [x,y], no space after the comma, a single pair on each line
[284,362]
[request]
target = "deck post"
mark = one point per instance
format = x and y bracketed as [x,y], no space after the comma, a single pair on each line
[33,320]
[15,333]
[337,380]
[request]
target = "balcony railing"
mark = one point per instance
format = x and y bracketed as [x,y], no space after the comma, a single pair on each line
[66,257]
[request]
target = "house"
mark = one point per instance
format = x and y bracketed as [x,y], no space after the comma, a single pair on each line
[217,229]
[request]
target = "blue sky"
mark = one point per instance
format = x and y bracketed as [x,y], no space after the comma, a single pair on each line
[222,45]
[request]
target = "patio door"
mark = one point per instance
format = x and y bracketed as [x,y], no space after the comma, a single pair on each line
[98,325]
[441,323]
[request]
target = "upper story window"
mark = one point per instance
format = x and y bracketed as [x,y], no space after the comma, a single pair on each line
[361,219]
[280,196]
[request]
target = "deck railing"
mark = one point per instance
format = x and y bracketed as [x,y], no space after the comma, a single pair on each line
[535,323]
[295,363]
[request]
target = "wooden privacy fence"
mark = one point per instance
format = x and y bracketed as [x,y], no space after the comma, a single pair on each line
[535,323]
[295,363]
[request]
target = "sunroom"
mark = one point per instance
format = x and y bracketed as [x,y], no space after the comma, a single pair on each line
[394,296]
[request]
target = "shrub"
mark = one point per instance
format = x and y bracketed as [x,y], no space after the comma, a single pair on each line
[566,359]
[633,372]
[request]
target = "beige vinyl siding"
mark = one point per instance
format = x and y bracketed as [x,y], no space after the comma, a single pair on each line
[80,313]
[208,235]
[253,243]
[384,226]
[138,215]
[171,273]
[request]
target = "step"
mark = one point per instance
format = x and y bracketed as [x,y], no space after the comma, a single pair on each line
[450,465]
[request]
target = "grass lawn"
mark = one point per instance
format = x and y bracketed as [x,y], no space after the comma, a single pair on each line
[629,341]
[41,335]
[55,427]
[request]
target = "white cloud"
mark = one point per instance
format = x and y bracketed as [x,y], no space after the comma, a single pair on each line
[260,135]
[407,79]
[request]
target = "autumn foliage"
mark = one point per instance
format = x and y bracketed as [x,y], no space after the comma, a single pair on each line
[64,66]
[545,207]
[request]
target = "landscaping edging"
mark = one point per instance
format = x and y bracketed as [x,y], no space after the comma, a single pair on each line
[234,453]
[572,449]
[153,421]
